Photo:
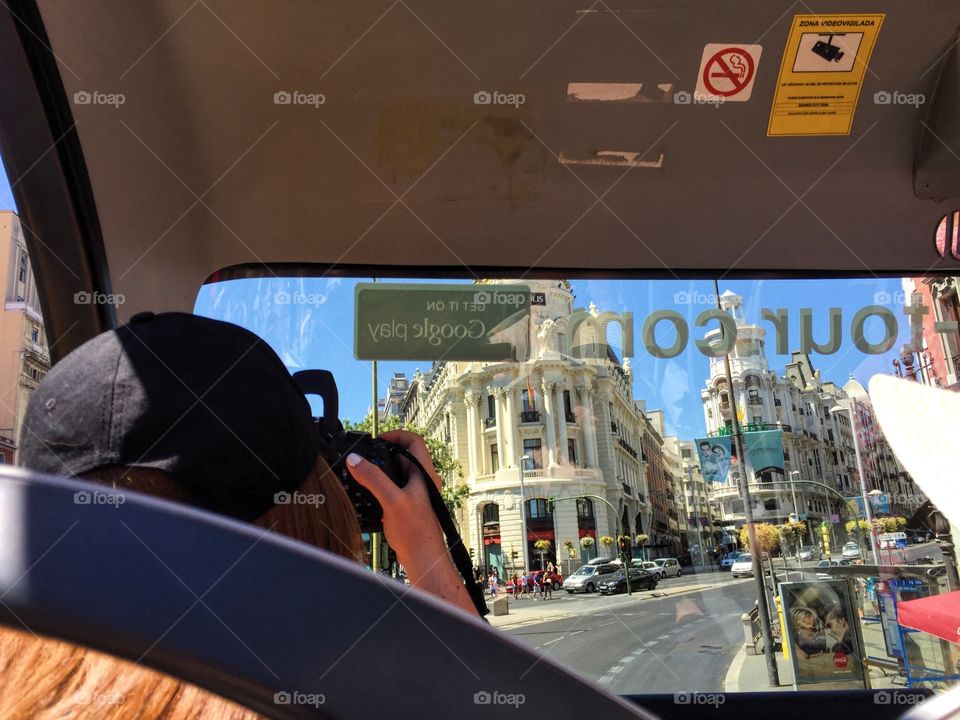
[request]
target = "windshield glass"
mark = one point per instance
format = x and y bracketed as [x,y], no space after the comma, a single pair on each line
[611,402]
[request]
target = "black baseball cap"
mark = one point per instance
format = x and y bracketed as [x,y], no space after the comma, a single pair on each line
[206,401]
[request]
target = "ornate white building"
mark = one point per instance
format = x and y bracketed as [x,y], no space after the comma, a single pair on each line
[570,412]
[817,439]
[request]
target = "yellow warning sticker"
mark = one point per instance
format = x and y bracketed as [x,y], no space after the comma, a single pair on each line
[821,74]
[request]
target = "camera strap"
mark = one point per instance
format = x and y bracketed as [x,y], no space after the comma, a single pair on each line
[458,553]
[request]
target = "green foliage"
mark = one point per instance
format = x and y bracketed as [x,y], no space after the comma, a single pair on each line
[889,524]
[606,541]
[768,537]
[859,530]
[444,462]
[793,533]
[642,539]
[586,542]
[568,545]
[543,545]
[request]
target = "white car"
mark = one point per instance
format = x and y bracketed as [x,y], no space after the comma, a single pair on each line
[851,551]
[670,567]
[743,566]
[650,566]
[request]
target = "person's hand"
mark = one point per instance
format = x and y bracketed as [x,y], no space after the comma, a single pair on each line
[411,527]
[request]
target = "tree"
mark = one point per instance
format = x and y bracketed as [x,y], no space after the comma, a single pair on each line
[768,537]
[569,546]
[793,533]
[889,524]
[454,493]
[859,530]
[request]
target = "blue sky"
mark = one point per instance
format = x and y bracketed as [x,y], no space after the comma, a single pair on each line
[318,333]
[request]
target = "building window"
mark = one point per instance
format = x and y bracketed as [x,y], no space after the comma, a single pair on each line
[22,275]
[494,458]
[770,504]
[584,508]
[529,400]
[35,334]
[567,405]
[572,450]
[537,509]
[533,449]
[491,406]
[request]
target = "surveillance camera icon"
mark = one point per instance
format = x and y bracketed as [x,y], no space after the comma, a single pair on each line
[827,50]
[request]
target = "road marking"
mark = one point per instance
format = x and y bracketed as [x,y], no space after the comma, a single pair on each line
[628,658]
[639,651]
[650,644]
[605,679]
[663,637]
[615,669]
[609,623]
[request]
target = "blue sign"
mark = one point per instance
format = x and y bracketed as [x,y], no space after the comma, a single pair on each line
[765,450]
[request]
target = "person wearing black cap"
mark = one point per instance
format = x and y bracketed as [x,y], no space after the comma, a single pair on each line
[204,412]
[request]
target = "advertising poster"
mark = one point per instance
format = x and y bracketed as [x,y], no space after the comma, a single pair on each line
[714,455]
[765,450]
[821,630]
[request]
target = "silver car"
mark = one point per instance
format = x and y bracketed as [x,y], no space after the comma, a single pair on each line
[669,567]
[851,551]
[586,578]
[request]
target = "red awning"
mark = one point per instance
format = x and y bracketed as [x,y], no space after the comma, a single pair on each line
[938,615]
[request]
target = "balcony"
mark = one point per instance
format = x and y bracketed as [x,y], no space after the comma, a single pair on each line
[630,451]
[530,416]
[490,422]
[956,365]
[755,401]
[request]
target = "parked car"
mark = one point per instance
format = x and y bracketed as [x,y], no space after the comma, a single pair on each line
[586,578]
[670,567]
[729,559]
[651,567]
[851,551]
[617,582]
[829,563]
[743,567]
[556,579]
[809,552]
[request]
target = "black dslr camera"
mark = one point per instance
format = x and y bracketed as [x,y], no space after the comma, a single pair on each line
[335,444]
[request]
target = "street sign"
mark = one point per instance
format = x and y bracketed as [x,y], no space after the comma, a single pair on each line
[404,321]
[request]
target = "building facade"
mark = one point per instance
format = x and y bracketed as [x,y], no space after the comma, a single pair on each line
[814,415]
[937,361]
[24,357]
[560,435]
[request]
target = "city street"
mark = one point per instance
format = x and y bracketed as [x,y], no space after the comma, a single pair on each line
[647,643]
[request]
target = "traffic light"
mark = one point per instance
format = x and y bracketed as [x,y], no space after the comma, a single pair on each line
[551,502]
[471,552]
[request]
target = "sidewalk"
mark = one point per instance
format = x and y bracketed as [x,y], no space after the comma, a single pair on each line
[748,673]
[528,611]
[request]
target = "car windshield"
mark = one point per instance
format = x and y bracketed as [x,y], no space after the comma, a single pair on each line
[625,409]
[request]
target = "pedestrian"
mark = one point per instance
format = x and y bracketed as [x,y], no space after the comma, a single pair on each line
[546,585]
[493,583]
[534,577]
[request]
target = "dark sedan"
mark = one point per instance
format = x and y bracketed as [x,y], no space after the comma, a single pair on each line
[617,582]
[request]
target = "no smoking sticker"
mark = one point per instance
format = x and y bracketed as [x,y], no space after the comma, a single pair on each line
[727,72]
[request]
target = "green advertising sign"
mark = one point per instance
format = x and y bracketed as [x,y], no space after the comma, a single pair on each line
[402,321]
[765,449]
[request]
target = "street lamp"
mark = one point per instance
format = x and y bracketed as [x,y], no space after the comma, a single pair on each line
[867,511]
[523,514]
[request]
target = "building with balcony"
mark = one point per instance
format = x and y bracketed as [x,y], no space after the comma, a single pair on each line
[565,421]
[819,458]
[24,357]
[937,362]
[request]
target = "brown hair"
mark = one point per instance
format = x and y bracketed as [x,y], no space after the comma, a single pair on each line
[45,678]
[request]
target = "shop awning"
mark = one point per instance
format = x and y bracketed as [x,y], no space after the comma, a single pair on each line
[938,615]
